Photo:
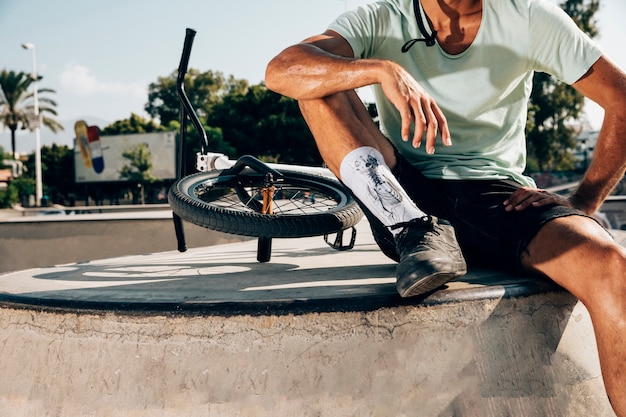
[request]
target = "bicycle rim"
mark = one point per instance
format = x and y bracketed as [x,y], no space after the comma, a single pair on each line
[303,204]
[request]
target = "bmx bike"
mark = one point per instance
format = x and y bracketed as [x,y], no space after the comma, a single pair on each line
[250,198]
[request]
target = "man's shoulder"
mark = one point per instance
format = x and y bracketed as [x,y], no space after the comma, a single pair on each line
[524,7]
[390,8]
[375,18]
[529,6]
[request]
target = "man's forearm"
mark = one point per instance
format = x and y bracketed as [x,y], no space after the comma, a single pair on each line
[305,72]
[607,167]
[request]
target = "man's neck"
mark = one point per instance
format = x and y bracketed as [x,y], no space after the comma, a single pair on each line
[456,22]
[453,7]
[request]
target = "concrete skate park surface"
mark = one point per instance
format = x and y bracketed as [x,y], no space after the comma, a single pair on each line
[314,332]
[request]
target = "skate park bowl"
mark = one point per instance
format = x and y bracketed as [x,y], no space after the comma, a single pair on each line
[313,332]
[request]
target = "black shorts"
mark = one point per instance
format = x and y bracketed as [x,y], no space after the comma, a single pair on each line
[487,234]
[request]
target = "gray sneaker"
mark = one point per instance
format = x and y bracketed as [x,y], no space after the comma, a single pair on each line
[429,254]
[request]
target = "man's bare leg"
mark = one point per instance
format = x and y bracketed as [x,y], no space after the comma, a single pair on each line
[361,164]
[352,145]
[580,256]
[340,124]
[356,151]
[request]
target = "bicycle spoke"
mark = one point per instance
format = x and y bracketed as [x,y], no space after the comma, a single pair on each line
[288,200]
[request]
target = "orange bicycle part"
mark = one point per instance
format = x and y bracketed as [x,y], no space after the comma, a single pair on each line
[268,198]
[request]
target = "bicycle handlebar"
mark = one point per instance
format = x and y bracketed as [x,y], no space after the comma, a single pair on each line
[184,59]
[180,84]
[186,110]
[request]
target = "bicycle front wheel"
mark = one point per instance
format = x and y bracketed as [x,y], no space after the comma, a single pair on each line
[303,204]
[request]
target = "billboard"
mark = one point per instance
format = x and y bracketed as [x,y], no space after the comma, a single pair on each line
[99,158]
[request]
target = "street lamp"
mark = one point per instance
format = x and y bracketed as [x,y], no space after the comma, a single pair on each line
[37,122]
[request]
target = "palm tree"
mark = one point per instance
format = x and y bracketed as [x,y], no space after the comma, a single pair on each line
[16,103]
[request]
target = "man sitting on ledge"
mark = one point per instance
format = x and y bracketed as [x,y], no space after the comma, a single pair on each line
[452,80]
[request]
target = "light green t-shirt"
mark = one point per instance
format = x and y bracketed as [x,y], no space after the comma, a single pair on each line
[483,91]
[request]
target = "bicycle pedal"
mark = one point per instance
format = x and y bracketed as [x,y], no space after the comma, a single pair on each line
[338,243]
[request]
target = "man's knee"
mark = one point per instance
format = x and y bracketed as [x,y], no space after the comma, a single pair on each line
[579,254]
[563,234]
[334,103]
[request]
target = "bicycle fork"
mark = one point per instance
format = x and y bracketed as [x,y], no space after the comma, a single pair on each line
[264,244]
[267,191]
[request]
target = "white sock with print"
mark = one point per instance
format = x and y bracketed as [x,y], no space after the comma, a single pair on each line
[367,175]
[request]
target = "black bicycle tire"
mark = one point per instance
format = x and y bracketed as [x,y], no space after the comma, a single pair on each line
[344,215]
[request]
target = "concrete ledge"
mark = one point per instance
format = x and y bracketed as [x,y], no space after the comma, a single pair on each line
[41,241]
[315,332]
[527,357]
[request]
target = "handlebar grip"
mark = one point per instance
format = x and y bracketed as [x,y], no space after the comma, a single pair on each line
[184,59]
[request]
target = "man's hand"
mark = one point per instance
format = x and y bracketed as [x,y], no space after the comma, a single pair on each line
[526,197]
[415,105]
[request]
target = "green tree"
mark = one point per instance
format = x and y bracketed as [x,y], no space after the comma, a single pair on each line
[554,106]
[16,103]
[250,119]
[134,124]
[139,168]
[192,144]
[259,122]
[58,167]
[204,90]
[11,194]
[18,191]
[8,196]
[59,185]
[4,154]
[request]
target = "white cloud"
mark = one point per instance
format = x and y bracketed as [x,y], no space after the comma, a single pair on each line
[79,80]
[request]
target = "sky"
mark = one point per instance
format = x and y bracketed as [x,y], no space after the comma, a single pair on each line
[101,55]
